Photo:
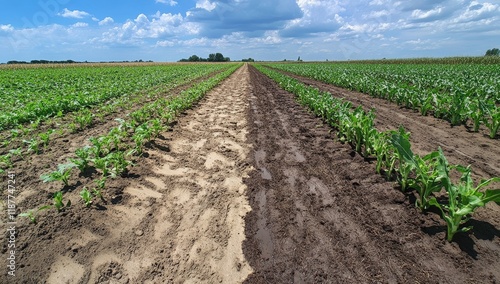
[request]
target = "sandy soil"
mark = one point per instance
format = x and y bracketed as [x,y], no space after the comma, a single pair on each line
[250,187]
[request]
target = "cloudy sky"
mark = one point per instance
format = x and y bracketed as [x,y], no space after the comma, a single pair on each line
[168,30]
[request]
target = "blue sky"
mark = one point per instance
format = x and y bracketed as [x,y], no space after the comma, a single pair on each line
[168,30]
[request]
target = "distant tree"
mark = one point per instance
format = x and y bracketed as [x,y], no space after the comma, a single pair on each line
[493,52]
[248,60]
[299,60]
[211,57]
[219,57]
[194,58]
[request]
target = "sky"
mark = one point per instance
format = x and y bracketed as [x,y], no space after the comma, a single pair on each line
[168,30]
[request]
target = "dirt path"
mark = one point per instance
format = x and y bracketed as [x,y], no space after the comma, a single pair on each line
[178,218]
[321,215]
[427,132]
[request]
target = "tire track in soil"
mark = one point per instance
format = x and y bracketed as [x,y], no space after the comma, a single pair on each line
[180,220]
[320,214]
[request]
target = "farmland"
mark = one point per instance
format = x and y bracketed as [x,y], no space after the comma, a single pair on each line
[310,172]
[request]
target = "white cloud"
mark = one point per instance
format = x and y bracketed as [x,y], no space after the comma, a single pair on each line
[160,27]
[73,14]
[106,21]
[476,11]
[169,2]
[6,28]
[426,15]
[80,25]
[206,5]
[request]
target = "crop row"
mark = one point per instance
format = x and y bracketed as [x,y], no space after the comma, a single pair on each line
[28,95]
[458,93]
[112,155]
[428,176]
[20,142]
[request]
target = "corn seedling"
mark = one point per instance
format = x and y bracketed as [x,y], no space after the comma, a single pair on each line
[33,145]
[58,202]
[427,180]
[97,193]
[463,198]
[86,196]
[32,213]
[17,152]
[83,154]
[118,163]
[84,119]
[5,161]
[45,137]
[101,183]
[63,174]
[493,121]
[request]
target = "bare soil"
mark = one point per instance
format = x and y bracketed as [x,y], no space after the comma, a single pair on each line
[250,187]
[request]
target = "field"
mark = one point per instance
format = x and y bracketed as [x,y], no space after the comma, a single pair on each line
[254,173]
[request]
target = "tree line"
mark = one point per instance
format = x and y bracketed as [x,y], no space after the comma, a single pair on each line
[212,57]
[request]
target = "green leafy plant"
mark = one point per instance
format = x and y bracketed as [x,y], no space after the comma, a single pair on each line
[33,145]
[5,161]
[62,173]
[86,196]
[33,213]
[84,119]
[97,193]
[426,181]
[118,163]
[493,121]
[101,183]
[17,152]
[58,202]
[463,198]
[45,137]
[83,154]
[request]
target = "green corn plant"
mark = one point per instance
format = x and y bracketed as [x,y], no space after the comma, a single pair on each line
[463,198]
[101,183]
[97,193]
[116,136]
[33,145]
[62,173]
[458,110]
[124,126]
[426,181]
[17,152]
[425,104]
[382,149]
[73,128]
[118,163]
[477,113]
[86,196]
[493,121]
[5,143]
[14,133]
[156,128]
[5,161]
[101,146]
[82,162]
[404,168]
[84,119]
[33,213]
[45,137]
[58,202]
[102,164]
